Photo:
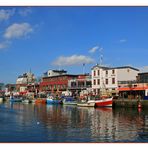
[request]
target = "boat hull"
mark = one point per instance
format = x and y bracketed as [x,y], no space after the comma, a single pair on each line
[87,104]
[50,101]
[15,100]
[104,102]
[42,101]
[70,103]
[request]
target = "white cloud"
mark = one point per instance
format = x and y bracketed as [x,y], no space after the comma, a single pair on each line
[18,30]
[72,60]
[25,11]
[122,40]
[144,69]
[6,14]
[92,50]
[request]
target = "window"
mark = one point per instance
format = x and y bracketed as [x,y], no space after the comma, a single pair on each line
[94,73]
[106,81]
[94,91]
[113,71]
[98,81]
[106,72]
[113,80]
[94,82]
[98,72]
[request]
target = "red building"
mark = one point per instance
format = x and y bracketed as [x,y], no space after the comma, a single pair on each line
[56,84]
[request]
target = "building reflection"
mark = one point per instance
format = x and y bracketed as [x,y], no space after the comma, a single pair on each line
[60,123]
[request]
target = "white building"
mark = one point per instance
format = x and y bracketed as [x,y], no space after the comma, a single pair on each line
[23,80]
[105,79]
[51,73]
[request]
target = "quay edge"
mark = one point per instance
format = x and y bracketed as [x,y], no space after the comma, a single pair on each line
[130,103]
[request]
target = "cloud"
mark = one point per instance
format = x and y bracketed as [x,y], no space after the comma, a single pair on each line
[18,30]
[144,69]
[25,11]
[6,14]
[4,45]
[122,40]
[92,50]
[72,60]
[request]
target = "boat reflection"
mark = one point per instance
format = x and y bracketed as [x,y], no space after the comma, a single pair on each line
[65,123]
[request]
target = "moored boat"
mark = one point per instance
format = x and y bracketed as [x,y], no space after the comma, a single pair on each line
[69,101]
[53,101]
[42,101]
[104,102]
[15,100]
[25,101]
[90,103]
[1,100]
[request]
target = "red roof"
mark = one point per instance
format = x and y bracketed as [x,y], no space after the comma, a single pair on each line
[132,89]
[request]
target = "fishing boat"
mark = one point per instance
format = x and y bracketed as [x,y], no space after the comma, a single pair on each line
[1,100]
[51,100]
[15,100]
[40,101]
[104,102]
[90,103]
[26,101]
[69,101]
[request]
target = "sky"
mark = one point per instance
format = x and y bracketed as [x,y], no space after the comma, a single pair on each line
[43,38]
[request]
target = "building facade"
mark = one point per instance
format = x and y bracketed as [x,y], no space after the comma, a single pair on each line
[81,85]
[56,82]
[105,80]
[24,80]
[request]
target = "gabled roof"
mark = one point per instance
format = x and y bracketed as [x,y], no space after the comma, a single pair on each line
[122,67]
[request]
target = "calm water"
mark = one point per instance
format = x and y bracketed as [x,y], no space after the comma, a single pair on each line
[51,123]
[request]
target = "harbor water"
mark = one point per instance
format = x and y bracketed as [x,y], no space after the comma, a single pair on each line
[62,123]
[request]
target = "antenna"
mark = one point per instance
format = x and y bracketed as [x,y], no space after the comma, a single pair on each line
[101,56]
[30,70]
[83,68]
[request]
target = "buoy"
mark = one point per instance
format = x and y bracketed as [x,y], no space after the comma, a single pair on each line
[139,105]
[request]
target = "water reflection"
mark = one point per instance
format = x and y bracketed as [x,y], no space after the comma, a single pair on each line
[57,123]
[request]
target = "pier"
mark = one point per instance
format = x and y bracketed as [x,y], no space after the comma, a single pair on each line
[130,103]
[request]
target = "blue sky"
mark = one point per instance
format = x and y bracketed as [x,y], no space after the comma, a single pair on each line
[43,38]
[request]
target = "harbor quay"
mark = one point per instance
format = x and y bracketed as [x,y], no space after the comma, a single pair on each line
[125,103]
[101,84]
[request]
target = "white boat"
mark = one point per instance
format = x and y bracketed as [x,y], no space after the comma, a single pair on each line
[1,100]
[90,103]
[25,101]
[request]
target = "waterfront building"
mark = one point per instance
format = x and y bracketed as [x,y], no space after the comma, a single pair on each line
[10,88]
[142,77]
[51,73]
[56,81]
[105,80]
[81,85]
[2,86]
[23,81]
[135,89]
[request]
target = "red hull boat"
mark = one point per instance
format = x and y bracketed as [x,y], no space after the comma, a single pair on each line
[106,102]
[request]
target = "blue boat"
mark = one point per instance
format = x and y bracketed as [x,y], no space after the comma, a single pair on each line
[15,99]
[69,101]
[51,100]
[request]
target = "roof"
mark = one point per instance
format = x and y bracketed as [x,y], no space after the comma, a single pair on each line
[62,75]
[126,67]
[122,67]
[99,66]
[143,73]
[59,71]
